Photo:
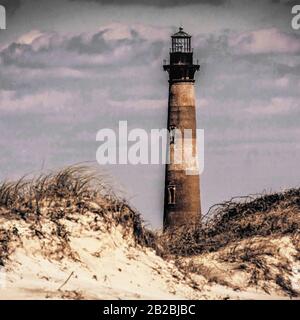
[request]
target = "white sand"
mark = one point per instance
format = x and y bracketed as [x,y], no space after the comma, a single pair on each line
[103,264]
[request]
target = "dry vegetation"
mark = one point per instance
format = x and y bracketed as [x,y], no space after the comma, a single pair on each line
[55,197]
[274,215]
[243,236]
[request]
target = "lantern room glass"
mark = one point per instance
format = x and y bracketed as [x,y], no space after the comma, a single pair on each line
[181,44]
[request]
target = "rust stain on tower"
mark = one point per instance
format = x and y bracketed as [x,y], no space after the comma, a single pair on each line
[182,190]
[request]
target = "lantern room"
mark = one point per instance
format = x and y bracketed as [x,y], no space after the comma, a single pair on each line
[181,42]
[181,66]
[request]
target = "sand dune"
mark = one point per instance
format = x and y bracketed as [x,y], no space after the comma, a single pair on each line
[75,243]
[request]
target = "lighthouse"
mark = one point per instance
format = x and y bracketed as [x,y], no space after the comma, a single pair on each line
[182,181]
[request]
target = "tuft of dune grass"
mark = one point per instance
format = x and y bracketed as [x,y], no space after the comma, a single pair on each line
[60,195]
[240,218]
[240,233]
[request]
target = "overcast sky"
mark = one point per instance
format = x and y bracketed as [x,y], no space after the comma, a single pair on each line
[69,68]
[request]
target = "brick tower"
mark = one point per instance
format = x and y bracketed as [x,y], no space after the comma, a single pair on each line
[182,190]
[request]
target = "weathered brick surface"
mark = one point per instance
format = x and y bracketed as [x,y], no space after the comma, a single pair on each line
[182,115]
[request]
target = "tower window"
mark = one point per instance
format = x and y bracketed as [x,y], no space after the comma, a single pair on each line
[172,130]
[171,194]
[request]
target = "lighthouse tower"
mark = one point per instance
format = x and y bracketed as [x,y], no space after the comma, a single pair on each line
[182,190]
